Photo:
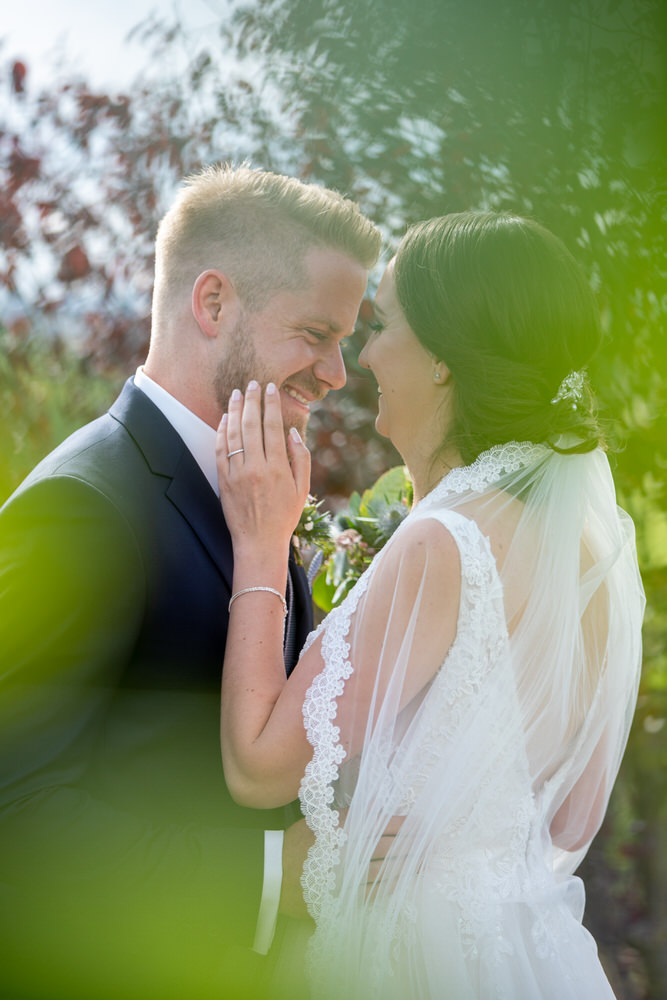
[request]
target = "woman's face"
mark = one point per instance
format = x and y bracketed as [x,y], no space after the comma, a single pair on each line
[409,396]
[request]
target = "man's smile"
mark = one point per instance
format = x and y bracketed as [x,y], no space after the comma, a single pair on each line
[298,396]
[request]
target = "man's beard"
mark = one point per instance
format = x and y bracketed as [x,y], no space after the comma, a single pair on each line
[239,365]
[242,363]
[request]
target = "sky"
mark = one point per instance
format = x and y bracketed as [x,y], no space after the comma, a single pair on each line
[90,34]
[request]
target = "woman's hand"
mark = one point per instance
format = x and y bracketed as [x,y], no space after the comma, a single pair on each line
[263,478]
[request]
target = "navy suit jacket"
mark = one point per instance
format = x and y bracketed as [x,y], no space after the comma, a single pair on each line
[120,846]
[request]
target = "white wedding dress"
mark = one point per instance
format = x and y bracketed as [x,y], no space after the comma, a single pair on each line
[497,740]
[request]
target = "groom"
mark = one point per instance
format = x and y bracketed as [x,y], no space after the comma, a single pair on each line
[126,869]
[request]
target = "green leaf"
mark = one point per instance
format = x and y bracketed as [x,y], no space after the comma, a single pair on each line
[354,504]
[323,592]
[342,590]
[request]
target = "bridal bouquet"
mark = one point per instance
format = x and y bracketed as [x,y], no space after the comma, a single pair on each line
[347,542]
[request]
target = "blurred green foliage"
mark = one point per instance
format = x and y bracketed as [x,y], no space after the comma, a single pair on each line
[46,392]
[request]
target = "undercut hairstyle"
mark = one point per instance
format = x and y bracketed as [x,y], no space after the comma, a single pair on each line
[256,227]
[503,303]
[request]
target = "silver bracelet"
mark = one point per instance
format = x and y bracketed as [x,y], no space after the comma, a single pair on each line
[252,590]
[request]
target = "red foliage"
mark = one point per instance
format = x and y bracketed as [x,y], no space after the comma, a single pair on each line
[19,71]
[22,168]
[75,264]
[20,328]
[12,234]
[45,208]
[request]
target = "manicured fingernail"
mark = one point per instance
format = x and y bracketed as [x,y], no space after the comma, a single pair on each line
[223,422]
[271,389]
[253,385]
[295,435]
[236,396]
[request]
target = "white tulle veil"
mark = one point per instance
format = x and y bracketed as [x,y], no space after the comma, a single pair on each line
[498,742]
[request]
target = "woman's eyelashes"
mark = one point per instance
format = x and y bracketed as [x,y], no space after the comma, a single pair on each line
[376,326]
[317,337]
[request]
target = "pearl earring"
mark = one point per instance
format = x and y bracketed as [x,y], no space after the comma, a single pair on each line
[437,376]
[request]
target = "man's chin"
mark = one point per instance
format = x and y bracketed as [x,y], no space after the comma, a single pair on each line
[301,424]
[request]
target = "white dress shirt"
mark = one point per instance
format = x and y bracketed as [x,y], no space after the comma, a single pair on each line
[199,438]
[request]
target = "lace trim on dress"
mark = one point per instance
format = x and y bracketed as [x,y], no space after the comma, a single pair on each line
[316,790]
[491,465]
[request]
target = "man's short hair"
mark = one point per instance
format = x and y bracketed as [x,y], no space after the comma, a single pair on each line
[256,227]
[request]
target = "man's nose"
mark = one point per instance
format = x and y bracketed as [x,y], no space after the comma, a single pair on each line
[330,368]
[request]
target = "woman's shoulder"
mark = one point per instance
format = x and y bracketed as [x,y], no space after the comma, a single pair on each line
[441,527]
[428,532]
[451,543]
[424,552]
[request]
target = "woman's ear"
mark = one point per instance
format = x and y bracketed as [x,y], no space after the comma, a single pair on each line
[215,304]
[440,371]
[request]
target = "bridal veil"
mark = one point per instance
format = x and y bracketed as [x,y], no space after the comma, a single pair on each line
[491,715]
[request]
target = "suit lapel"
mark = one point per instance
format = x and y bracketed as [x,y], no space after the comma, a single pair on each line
[192,495]
[185,485]
[187,489]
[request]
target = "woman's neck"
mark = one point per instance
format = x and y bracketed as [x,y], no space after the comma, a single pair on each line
[427,473]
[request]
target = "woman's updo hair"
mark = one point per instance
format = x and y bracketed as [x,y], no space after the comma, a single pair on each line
[503,303]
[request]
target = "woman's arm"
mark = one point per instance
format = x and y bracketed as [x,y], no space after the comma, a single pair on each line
[263,491]
[398,636]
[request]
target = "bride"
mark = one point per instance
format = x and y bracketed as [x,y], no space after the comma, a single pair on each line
[476,687]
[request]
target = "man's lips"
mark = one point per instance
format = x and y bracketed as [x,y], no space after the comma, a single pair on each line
[297,396]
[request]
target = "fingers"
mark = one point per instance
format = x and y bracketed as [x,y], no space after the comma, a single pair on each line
[251,423]
[233,428]
[254,436]
[263,489]
[300,462]
[249,440]
[274,432]
[221,451]
[241,432]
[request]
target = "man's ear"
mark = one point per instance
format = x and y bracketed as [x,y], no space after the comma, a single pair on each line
[215,304]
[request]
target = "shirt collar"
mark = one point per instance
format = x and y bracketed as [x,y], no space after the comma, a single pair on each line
[197,435]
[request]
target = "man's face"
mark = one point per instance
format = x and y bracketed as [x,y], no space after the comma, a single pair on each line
[295,340]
